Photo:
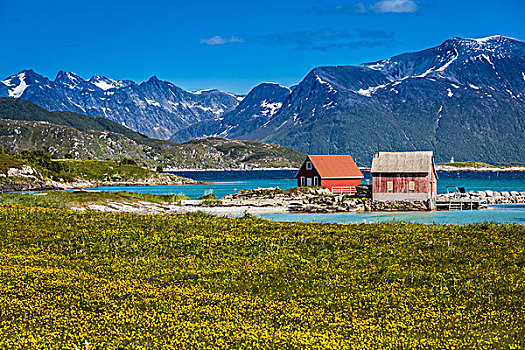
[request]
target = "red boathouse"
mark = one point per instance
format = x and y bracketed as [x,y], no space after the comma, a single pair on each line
[339,174]
[408,176]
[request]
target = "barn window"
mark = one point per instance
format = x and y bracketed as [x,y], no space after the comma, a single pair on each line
[411,186]
[308,165]
[316,181]
[303,183]
[389,185]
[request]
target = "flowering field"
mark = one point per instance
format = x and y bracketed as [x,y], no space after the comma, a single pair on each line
[92,280]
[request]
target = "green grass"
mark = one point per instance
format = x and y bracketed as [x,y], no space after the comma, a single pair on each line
[8,161]
[95,170]
[210,199]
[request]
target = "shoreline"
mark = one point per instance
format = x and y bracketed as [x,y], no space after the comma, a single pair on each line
[451,169]
[169,170]
[447,169]
[134,184]
[59,186]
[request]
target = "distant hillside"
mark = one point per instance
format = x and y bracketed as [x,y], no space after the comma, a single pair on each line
[25,126]
[217,153]
[18,109]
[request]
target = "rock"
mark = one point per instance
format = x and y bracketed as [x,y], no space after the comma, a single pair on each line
[514,193]
[481,194]
[312,207]
[24,171]
[505,194]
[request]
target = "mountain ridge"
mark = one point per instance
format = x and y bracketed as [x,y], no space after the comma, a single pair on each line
[464,98]
[153,107]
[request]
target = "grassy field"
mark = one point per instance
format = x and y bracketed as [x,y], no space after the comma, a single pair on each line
[112,281]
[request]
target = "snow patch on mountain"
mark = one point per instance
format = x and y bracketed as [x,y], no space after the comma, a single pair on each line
[269,109]
[321,81]
[445,66]
[152,102]
[22,86]
[371,90]
[104,83]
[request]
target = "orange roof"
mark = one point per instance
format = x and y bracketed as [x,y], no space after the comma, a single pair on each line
[335,166]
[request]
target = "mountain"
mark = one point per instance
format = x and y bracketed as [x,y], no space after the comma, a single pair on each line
[464,98]
[254,111]
[156,108]
[25,126]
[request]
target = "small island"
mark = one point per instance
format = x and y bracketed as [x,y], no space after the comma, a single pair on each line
[474,166]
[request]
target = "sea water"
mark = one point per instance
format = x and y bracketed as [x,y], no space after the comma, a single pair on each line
[222,183]
[500,213]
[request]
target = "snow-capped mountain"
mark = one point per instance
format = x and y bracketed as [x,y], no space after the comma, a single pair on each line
[256,109]
[156,108]
[464,98]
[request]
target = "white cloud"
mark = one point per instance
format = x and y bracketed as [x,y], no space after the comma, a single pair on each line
[395,6]
[219,40]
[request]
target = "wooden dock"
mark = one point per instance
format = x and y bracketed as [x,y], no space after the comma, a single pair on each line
[459,204]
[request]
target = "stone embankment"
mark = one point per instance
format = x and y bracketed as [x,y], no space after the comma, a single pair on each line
[320,200]
[488,197]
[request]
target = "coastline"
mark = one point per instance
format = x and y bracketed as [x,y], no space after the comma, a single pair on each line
[22,187]
[451,169]
[170,170]
[443,168]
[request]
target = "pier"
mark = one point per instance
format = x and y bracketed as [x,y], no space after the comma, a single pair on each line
[460,204]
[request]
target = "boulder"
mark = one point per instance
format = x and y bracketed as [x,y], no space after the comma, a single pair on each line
[481,194]
[505,194]
[514,193]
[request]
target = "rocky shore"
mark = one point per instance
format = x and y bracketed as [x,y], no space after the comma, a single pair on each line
[26,179]
[488,196]
[318,200]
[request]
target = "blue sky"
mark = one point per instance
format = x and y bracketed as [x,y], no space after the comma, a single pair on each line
[233,45]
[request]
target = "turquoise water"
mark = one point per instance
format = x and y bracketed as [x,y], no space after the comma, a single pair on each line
[497,213]
[222,183]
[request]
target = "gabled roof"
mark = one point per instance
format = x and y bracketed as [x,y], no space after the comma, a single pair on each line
[335,166]
[403,162]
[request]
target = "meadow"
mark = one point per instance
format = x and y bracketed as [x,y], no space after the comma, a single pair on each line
[92,280]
